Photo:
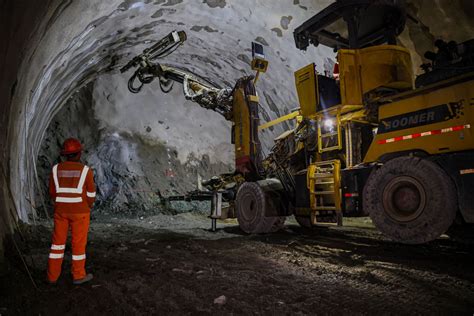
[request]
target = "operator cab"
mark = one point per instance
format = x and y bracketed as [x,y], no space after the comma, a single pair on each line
[352,24]
[357,30]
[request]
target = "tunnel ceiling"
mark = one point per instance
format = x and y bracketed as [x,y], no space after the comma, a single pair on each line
[78,42]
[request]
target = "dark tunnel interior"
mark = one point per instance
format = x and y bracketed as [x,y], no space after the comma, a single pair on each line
[152,246]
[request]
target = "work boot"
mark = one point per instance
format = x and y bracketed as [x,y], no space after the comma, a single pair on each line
[85,279]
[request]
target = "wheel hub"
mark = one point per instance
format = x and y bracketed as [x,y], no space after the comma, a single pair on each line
[404,199]
[248,209]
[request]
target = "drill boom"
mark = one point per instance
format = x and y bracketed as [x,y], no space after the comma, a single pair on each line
[194,88]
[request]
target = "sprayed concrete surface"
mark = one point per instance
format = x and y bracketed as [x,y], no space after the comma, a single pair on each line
[172,265]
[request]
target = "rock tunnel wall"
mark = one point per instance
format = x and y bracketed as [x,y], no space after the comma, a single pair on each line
[56,47]
[18,20]
[432,20]
[139,152]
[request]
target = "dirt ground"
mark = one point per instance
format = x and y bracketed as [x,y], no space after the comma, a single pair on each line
[173,265]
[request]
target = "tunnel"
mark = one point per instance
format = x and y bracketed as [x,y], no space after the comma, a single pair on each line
[61,78]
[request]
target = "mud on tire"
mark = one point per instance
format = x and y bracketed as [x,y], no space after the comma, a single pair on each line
[411,200]
[251,206]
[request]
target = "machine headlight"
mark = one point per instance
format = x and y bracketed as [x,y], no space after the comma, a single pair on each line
[329,123]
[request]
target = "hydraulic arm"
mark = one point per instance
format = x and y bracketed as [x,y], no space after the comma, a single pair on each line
[194,88]
[238,104]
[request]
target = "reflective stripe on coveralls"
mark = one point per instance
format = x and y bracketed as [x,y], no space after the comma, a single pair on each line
[68,199]
[77,190]
[56,255]
[91,194]
[59,254]
[78,257]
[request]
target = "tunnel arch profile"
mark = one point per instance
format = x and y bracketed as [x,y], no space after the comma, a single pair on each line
[78,41]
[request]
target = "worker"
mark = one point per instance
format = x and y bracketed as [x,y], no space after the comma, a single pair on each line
[72,189]
[335,72]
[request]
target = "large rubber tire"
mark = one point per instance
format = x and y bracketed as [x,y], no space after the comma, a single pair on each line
[411,200]
[250,204]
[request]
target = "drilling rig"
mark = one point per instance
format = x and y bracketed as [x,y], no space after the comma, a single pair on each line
[371,140]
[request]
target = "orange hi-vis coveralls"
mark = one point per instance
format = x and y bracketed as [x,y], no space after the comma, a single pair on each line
[72,188]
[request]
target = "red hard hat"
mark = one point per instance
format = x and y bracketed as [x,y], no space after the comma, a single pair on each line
[71,146]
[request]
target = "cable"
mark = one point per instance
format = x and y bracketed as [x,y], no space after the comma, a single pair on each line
[166,87]
[131,88]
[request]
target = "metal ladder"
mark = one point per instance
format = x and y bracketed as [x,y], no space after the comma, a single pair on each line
[324,184]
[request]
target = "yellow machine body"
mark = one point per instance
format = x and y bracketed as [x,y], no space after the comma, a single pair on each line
[241,123]
[361,71]
[245,129]
[307,89]
[367,69]
[437,119]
